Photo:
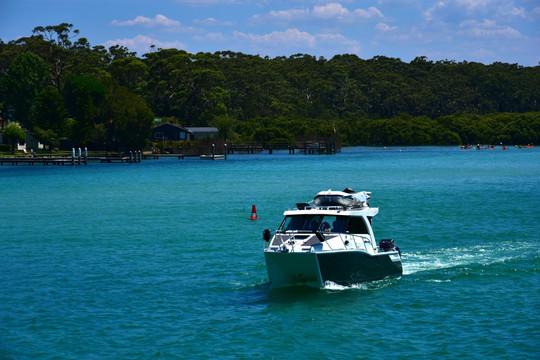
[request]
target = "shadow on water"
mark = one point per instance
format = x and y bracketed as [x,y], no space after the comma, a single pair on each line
[264,293]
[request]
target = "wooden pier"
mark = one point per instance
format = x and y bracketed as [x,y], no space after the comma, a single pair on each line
[307,147]
[157,156]
[133,157]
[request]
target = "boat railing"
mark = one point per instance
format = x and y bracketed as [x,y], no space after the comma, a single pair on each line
[306,206]
[348,241]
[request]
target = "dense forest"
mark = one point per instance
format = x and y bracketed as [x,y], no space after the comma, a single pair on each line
[56,85]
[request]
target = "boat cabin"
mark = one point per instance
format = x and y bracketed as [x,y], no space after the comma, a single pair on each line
[325,223]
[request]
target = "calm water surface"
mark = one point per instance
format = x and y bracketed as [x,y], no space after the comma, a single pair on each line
[159,260]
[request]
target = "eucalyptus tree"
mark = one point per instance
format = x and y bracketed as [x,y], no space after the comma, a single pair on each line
[202,96]
[119,52]
[242,81]
[346,97]
[88,60]
[168,69]
[130,72]
[55,48]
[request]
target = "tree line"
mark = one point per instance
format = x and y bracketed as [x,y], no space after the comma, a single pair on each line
[56,85]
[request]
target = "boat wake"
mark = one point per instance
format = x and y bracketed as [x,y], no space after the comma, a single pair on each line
[468,257]
[367,286]
[329,285]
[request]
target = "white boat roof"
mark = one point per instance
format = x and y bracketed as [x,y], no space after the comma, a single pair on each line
[334,210]
[343,193]
[352,204]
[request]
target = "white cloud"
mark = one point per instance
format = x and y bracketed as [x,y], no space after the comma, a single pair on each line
[337,11]
[511,10]
[413,36]
[297,41]
[456,10]
[142,44]
[488,29]
[287,38]
[280,43]
[158,20]
[472,5]
[429,14]
[384,27]
[213,22]
[331,11]
[285,15]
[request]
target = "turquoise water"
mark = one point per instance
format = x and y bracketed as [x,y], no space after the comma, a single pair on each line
[159,260]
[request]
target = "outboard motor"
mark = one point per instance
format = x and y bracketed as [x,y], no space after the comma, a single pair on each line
[387,245]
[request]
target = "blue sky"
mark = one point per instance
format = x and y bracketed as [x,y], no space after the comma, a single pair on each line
[472,30]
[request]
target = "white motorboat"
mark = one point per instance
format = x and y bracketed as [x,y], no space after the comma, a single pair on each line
[329,239]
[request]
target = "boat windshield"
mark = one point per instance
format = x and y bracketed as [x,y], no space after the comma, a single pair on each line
[312,223]
[301,223]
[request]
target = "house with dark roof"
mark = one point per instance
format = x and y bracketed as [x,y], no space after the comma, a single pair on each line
[168,131]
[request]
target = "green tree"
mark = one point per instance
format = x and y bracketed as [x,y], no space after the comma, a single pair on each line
[49,116]
[57,49]
[14,134]
[84,98]
[120,52]
[25,78]
[131,73]
[224,124]
[130,118]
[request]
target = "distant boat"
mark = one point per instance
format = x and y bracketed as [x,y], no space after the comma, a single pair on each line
[212,157]
[329,239]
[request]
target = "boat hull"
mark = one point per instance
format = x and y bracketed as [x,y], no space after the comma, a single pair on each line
[340,267]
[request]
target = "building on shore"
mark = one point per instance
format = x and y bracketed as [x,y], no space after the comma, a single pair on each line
[168,131]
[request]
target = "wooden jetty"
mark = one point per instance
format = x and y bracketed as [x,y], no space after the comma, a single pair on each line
[133,157]
[211,156]
[157,156]
[306,147]
[43,160]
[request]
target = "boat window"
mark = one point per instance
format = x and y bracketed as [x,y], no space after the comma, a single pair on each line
[332,223]
[339,223]
[357,226]
[301,223]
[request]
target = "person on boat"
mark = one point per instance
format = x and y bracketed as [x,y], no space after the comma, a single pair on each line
[325,227]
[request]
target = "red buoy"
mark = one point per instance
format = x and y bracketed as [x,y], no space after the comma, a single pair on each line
[253,213]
